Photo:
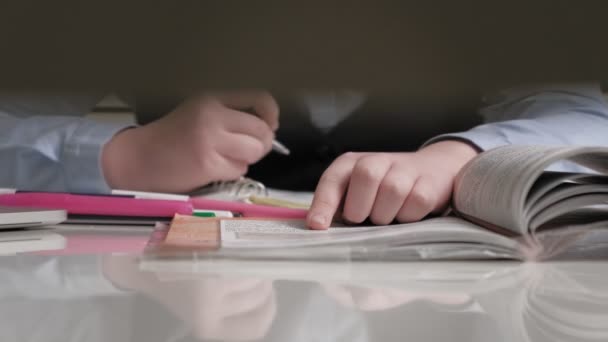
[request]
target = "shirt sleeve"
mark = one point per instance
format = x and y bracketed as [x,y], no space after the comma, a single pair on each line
[570,114]
[75,276]
[53,153]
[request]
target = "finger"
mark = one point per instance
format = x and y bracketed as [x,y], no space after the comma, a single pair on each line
[261,102]
[421,201]
[245,123]
[367,174]
[243,286]
[392,192]
[330,190]
[242,148]
[254,127]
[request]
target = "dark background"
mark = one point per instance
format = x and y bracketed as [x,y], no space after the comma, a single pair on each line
[444,50]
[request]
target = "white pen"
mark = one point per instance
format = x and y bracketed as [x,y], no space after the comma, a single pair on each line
[276,146]
[280,148]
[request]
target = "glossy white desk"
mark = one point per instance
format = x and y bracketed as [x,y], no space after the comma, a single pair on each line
[88,293]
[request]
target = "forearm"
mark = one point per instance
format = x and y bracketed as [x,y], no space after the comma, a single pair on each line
[549,115]
[52,277]
[53,153]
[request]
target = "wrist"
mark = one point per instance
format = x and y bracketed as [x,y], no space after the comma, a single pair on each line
[122,160]
[454,152]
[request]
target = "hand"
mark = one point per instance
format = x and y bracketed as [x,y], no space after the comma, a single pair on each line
[389,186]
[214,307]
[205,139]
[378,299]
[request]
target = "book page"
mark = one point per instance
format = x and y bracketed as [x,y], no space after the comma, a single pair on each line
[304,197]
[438,238]
[547,182]
[494,186]
[284,198]
[244,233]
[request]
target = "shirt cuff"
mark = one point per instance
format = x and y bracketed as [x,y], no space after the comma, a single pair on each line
[82,156]
[479,138]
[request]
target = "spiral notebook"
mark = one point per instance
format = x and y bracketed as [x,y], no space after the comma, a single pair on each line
[251,191]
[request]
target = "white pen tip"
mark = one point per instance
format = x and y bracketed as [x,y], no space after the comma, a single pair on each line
[280,148]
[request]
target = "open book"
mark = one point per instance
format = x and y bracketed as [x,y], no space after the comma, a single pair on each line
[250,191]
[505,205]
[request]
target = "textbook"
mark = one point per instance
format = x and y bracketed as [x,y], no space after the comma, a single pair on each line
[505,205]
[251,191]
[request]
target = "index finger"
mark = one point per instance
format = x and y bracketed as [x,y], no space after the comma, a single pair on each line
[330,190]
[262,103]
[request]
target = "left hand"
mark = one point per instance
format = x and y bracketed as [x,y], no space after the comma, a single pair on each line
[215,307]
[389,186]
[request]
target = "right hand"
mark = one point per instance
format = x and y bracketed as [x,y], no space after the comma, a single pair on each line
[384,187]
[214,307]
[382,298]
[206,139]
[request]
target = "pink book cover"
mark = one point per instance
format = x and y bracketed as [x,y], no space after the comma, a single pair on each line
[98,205]
[249,210]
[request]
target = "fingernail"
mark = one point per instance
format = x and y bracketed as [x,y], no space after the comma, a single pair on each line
[317,220]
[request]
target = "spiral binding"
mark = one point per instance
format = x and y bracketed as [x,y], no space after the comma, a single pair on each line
[240,189]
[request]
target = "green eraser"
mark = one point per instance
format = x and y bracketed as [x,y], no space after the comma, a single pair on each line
[203,214]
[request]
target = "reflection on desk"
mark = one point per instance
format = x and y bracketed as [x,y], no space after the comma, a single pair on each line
[109,297]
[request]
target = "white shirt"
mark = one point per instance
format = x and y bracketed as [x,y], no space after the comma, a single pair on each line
[46,146]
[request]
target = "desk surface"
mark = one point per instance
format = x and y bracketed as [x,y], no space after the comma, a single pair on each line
[90,292]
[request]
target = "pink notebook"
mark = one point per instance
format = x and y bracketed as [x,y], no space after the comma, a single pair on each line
[249,210]
[141,207]
[105,244]
[98,205]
